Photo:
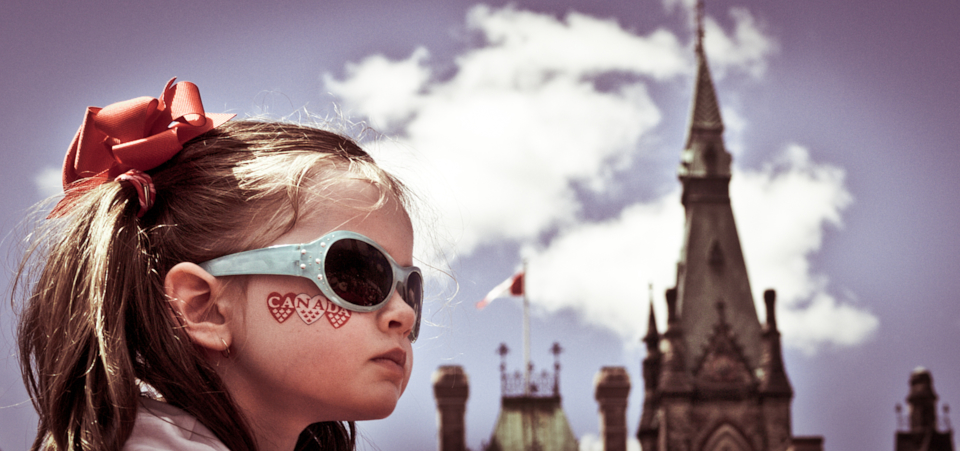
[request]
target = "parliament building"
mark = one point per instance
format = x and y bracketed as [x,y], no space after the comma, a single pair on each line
[714,379]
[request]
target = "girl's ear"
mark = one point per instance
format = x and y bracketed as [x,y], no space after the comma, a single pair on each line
[195,297]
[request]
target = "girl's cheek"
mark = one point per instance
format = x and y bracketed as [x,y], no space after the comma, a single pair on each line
[309,309]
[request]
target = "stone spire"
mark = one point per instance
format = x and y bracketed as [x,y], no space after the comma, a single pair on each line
[705,114]
[651,364]
[711,263]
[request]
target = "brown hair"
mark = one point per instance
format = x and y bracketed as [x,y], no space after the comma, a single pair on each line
[95,318]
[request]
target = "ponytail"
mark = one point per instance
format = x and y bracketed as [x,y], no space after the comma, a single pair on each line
[74,327]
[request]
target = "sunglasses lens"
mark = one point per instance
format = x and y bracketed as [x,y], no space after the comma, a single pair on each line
[413,295]
[414,291]
[358,272]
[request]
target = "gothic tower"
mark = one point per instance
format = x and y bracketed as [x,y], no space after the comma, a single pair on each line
[711,266]
[714,380]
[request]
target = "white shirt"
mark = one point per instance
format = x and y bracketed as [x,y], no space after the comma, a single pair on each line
[162,427]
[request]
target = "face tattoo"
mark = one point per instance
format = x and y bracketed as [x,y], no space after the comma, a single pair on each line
[309,309]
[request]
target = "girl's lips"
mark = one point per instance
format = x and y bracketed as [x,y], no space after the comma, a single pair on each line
[397,356]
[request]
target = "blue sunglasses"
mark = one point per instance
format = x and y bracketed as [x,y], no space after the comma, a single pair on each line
[350,269]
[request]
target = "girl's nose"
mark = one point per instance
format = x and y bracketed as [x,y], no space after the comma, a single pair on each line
[397,316]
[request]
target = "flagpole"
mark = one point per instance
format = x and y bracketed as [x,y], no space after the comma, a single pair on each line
[526,334]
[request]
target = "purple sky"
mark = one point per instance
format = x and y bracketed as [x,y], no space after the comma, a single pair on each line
[867,92]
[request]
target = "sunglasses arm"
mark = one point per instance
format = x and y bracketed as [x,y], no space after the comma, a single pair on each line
[283,260]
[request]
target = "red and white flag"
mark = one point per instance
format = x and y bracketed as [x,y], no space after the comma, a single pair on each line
[513,284]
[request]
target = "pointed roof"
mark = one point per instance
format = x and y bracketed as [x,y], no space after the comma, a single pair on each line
[532,423]
[652,338]
[705,114]
[704,154]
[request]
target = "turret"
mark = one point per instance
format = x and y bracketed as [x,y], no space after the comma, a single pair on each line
[924,433]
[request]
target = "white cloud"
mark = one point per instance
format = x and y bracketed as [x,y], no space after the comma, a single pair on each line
[521,119]
[523,47]
[603,269]
[384,91]
[746,49]
[48,182]
[500,145]
[734,127]
[593,442]
[782,213]
[824,319]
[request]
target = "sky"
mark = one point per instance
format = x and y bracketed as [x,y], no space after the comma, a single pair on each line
[550,131]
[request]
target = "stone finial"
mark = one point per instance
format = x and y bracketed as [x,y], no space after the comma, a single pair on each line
[611,389]
[773,375]
[451,388]
[770,300]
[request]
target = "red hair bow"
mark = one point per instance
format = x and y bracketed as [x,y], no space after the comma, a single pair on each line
[140,133]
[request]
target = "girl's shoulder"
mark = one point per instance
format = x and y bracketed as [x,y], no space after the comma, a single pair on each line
[161,426]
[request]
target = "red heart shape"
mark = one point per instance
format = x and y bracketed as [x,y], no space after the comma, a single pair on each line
[281,306]
[310,309]
[337,315]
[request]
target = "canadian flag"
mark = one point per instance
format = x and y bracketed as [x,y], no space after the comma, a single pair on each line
[513,284]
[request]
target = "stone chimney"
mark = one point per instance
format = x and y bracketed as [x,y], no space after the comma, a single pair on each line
[611,388]
[451,388]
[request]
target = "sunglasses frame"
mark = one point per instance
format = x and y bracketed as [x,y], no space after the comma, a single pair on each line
[308,260]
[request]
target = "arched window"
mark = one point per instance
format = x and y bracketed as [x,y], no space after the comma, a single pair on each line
[727,438]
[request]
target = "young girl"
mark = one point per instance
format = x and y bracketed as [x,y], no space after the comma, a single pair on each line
[208,284]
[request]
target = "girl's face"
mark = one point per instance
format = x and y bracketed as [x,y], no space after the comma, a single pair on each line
[291,368]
